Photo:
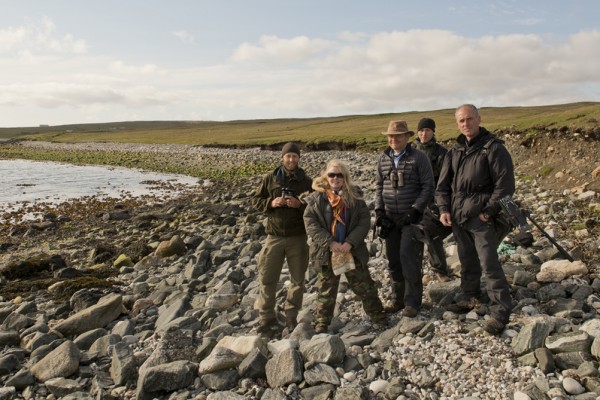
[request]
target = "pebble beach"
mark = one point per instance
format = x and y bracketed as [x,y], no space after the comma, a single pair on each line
[153,298]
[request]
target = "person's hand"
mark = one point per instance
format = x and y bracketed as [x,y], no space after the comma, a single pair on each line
[292,202]
[279,202]
[412,217]
[335,247]
[484,217]
[446,219]
[379,216]
[345,247]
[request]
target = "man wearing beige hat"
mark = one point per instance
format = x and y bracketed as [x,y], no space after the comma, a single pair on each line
[404,189]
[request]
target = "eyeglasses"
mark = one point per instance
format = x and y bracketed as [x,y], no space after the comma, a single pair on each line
[335,175]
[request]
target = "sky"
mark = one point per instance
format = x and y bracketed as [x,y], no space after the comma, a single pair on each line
[83,61]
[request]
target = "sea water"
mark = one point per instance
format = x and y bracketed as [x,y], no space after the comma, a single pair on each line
[25,182]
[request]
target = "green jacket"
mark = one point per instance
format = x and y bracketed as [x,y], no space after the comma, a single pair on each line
[436,153]
[282,221]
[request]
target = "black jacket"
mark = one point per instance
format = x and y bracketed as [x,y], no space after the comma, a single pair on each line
[474,177]
[418,188]
[435,152]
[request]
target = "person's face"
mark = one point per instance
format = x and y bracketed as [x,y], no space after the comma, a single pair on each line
[398,142]
[468,122]
[425,135]
[290,161]
[335,178]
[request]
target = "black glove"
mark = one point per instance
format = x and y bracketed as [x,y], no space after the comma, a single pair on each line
[412,217]
[379,216]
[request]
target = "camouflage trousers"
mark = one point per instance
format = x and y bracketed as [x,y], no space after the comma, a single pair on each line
[361,283]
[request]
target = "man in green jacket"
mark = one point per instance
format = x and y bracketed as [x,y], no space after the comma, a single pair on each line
[278,196]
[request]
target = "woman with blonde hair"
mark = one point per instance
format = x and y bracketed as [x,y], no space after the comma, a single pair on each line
[338,220]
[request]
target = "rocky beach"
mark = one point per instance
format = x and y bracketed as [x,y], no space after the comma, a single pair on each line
[153,297]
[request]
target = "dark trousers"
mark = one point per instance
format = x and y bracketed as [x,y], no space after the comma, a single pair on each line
[477,242]
[433,237]
[405,256]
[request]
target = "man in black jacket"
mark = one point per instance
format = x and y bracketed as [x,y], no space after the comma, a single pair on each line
[476,174]
[434,232]
[404,189]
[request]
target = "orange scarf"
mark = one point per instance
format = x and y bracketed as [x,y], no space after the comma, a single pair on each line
[338,206]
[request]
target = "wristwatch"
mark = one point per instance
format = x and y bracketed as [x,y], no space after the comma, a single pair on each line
[486,216]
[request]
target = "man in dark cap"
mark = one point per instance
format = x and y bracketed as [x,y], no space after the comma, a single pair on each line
[433,230]
[404,189]
[279,197]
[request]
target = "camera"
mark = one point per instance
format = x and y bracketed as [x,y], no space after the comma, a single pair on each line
[288,192]
[386,226]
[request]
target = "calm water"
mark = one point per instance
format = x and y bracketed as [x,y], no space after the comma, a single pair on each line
[24,181]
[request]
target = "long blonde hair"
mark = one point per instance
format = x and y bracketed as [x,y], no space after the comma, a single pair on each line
[350,192]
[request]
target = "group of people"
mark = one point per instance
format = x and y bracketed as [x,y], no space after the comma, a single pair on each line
[423,193]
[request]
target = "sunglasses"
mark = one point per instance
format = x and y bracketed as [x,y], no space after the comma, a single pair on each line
[335,175]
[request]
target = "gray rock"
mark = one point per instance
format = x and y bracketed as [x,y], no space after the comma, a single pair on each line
[545,360]
[221,380]
[351,393]
[97,316]
[59,363]
[8,363]
[21,379]
[123,368]
[61,387]
[318,392]
[8,393]
[569,342]
[321,373]
[531,337]
[175,310]
[323,348]
[571,360]
[571,386]
[166,378]
[85,340]
[284,368]
[253,366]
[102,345]
[9,338]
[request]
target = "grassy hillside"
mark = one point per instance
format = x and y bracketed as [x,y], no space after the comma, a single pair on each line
[362,130]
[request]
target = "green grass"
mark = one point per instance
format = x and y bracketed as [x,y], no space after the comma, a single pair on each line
[546,170]
[356,130]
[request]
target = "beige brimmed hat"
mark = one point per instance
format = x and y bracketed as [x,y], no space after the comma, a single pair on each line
[398,127]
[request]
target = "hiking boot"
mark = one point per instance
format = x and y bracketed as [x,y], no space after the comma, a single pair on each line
[290,322]
[492,326]
[464,305]
[410,312]
[393,306]
[378,318]
[267,326]
[443,276]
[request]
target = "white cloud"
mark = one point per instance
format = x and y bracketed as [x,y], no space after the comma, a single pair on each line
[38,38]
[119,67]
[279,51]
[184,37]
[355,73]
